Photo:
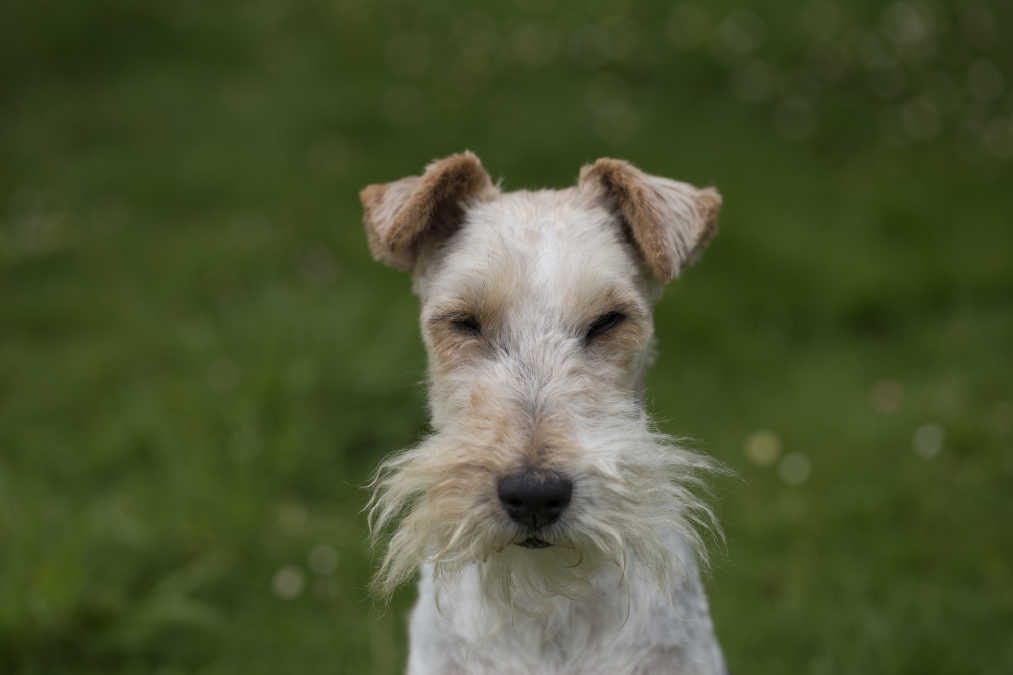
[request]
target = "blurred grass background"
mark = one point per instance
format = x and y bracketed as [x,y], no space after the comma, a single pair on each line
[199,364]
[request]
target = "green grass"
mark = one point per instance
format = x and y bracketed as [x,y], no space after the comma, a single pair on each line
[199,364]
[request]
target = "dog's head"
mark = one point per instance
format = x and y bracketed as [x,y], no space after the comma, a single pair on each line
[542,466]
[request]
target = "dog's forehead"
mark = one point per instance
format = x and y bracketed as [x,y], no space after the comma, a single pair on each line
[549,243]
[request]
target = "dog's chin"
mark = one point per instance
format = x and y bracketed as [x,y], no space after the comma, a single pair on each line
[534,542]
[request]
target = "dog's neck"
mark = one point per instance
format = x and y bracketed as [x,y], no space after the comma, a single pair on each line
[625,612]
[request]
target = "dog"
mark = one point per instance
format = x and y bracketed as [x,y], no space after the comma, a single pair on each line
[554,529]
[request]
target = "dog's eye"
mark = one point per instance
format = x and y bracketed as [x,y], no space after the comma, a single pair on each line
[467,323]
[603,324]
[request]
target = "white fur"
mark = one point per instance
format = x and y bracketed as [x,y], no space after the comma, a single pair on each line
[618,592]
[624,626]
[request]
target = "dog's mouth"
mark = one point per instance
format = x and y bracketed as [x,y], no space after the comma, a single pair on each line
[534,542]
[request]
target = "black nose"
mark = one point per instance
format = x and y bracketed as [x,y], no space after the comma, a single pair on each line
[535,498]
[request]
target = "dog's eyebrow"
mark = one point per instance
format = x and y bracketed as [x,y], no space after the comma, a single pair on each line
[457,308]
[614,300]
[440,315]
[485,301]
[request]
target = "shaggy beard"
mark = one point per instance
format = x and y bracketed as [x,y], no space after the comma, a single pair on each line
[630,491]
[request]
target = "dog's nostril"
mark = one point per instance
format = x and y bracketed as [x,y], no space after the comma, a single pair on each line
[535,498]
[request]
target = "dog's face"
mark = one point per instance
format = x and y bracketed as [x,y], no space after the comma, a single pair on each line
[536,314]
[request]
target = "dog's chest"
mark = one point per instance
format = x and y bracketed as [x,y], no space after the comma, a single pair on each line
[621,629]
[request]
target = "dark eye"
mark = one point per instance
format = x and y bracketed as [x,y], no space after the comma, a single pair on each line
[603,324]
[467,323]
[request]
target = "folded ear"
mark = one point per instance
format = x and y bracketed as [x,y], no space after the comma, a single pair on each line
[670,222]
[400,216]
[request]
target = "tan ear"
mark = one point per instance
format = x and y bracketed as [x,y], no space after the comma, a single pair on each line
[670,222]
[400,215]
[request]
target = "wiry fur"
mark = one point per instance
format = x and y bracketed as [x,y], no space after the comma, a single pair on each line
[630,485]
[618,591]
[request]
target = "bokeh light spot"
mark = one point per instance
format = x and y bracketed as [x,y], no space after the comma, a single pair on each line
[323,559]
[886,396]
[795,468]
[288,582]
[928,440]
[742,31]
[763,447]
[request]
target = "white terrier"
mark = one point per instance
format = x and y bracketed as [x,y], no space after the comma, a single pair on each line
[555,528]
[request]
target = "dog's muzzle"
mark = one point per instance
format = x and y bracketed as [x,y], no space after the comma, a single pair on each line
[535,499]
